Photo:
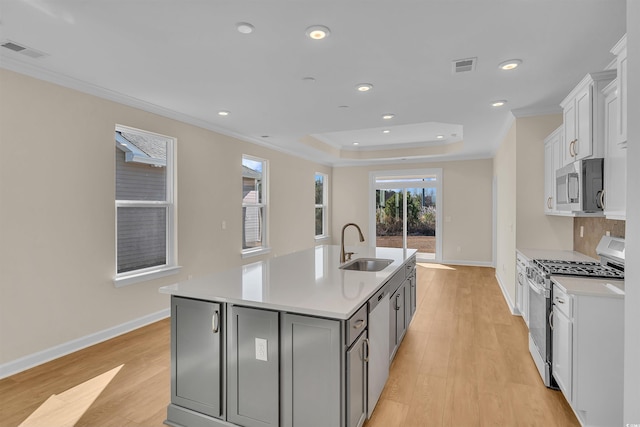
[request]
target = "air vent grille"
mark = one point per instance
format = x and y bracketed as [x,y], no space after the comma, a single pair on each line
[22,49]
[464,65]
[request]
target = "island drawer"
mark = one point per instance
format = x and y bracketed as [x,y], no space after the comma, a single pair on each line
[356,324]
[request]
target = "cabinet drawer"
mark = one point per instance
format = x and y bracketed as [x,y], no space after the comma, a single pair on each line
[356,324]
[562,301]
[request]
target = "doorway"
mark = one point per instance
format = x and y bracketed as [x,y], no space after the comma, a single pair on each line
[406,211]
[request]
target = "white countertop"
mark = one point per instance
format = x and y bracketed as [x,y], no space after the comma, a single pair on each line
[306,282]
[589,286]
[559,255]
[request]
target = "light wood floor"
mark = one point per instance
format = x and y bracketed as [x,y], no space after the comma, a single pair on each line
[464,362]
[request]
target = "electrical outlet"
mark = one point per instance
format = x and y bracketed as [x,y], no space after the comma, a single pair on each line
[261,349]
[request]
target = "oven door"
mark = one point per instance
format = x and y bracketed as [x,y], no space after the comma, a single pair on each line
[539,333]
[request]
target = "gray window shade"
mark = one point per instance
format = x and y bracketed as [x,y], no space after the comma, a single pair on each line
[142,237]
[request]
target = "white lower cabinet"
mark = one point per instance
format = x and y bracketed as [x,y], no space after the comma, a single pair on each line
[587,352]
[562,344]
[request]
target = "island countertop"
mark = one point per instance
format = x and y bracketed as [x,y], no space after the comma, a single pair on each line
[307,282]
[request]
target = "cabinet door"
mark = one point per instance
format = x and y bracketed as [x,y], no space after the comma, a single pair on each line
[622,93]
[413,294]
[196,362]
[562,352]
[615,160]
[357,382]
[549,177]
[311,377]
[569,121]
[401,321]
[393,330]
[583,146]
[252,365]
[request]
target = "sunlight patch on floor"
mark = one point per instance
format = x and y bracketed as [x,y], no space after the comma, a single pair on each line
[66,408]
[434,265]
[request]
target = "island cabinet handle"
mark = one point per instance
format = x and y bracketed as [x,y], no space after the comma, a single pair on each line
[395,306]
[215,322]
[359,324]
[366,349]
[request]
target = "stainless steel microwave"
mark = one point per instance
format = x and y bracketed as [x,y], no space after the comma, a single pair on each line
[579,186]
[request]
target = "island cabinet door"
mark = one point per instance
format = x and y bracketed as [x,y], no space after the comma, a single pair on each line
[253,367]
[196,355]
[357,381]
[311,375]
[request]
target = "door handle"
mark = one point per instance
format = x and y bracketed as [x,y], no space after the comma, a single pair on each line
[215,322]
[365,344]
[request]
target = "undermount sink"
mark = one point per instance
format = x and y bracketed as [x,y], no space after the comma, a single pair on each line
[367,264]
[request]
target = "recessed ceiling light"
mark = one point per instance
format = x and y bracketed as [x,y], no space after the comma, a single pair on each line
[439,136]
[364,87]
[244,28]
[510,64]
[386,131]
[223,113]
[317,32]
[499,103]
[343,106]
[388,116]
[356,143]
[309,79]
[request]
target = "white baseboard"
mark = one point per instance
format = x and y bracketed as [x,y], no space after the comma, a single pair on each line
[507,298]
[459,262]
[35,359]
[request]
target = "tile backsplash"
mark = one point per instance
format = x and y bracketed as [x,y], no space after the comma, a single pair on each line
[594,229]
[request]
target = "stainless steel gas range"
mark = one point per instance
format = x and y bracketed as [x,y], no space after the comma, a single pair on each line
[611,265]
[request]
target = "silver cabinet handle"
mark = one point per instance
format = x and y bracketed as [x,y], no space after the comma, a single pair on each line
[396,304]
[549,202]
[366,349]
[359,324]
[559,301]
[215,322]
[572,148]
[601,198]
[551,320]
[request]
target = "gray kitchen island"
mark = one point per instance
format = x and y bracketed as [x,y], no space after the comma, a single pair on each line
[291,341]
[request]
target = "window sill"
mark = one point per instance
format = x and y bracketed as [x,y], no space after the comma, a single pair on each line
[255,252]
[323,237]
[130,279]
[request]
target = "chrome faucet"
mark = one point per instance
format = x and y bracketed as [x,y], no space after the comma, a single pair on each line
[345,256]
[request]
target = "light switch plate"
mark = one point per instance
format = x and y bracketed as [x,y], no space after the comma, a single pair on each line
[261,349]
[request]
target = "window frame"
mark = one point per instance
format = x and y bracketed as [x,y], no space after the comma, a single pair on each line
[171,265]
[264,205]
[324,206]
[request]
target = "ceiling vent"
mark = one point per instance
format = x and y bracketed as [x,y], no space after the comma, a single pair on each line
[464,65]
[22,49]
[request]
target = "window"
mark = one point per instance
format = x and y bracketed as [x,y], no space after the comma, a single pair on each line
[254,205]
[321,205]
[144,205]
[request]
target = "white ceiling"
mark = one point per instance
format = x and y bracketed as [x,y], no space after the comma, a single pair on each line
[186,59]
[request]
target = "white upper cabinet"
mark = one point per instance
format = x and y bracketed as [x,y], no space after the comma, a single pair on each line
[615,158]
[620,50]
[553,149]
[583,118]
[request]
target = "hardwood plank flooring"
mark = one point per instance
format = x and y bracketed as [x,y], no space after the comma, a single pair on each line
[464,362]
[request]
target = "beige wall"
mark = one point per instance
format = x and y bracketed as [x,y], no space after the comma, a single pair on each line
[534,229]
[504,169]
[466,198]
[57,218]
[521,222]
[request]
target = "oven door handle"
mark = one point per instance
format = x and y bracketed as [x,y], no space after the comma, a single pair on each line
[538,289]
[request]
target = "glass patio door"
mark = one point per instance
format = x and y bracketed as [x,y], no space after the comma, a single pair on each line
[406,213]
